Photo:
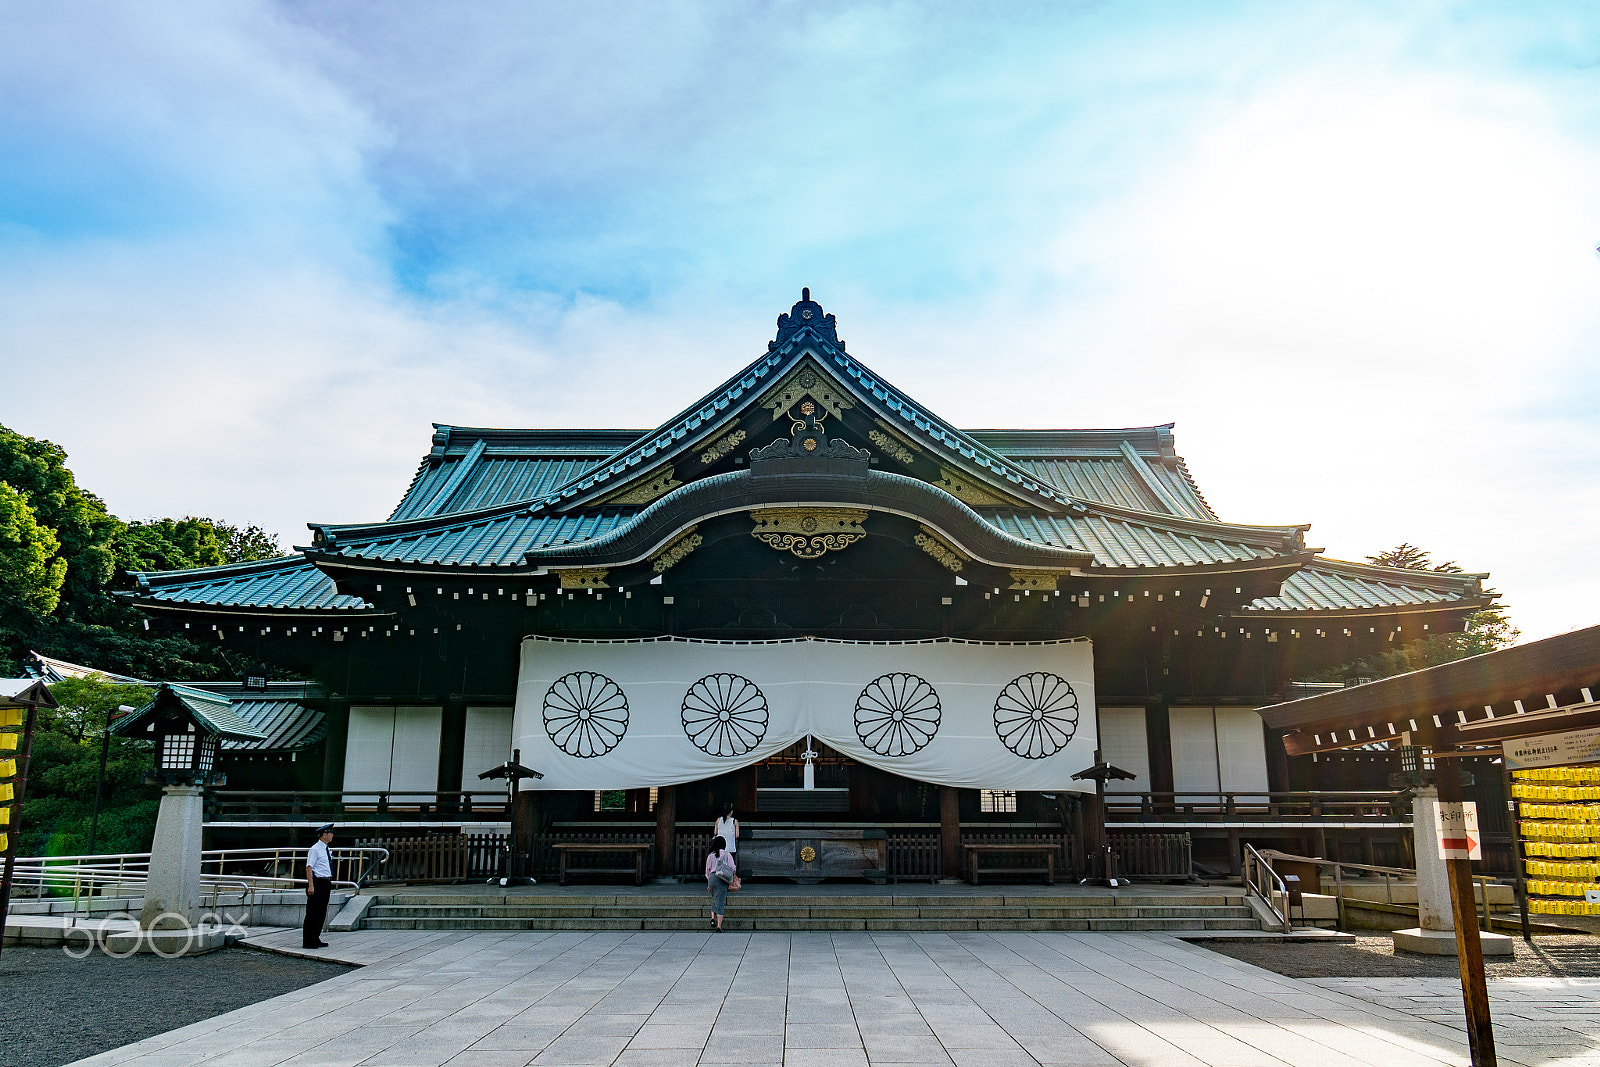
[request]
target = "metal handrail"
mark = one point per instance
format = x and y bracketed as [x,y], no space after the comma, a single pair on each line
[1254,864]
[131,871]
[1408,874]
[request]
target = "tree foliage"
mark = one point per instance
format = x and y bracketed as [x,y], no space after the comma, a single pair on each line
[63,557]
[31,572]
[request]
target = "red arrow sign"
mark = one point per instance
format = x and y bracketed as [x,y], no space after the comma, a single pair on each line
[1459,844]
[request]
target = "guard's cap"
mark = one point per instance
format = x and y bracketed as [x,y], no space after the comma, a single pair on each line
[325,828]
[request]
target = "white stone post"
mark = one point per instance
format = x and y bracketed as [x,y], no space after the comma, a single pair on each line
[1435,932]
[172,894]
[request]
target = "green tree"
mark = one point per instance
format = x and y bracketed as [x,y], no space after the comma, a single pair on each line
[31,572]
[84,704]
[66,766]
[88,561]
[37,471]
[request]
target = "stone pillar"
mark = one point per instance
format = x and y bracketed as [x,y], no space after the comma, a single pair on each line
[1433,878]
[666,833]
[172,894]
[1435,930]
[950,831]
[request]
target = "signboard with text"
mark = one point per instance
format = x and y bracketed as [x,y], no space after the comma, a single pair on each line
[1552,750]
[1456,825]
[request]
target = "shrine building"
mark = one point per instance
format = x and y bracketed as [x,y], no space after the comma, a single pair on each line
[806,594]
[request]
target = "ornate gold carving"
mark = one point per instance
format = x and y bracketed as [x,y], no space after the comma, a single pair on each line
[584,578]
[891,448]
[807,854]
[935,546]
[1043,581]
[969,491]
[809,532]
[675,552]
[722,447]
[657,483]
[806,381]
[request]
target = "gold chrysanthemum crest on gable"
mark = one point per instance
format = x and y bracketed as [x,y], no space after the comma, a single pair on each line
[809,533]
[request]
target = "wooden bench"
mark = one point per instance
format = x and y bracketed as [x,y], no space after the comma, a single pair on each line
[567,848]
[976,852]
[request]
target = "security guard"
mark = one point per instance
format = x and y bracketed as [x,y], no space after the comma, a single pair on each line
[319,884]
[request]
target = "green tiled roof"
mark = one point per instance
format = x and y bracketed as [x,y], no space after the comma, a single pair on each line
[210,710]
[472,467]
[278,713]
[1328,585]
[1132,539]
[288,583]
[496,538]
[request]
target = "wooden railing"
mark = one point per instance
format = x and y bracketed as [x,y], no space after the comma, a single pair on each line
[910,854]
[1266,807]
[246,805]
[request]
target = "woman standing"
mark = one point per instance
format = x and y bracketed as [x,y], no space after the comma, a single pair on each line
[727,828]
[721,872]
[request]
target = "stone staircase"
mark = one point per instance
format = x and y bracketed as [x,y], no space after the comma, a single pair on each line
[1213,910]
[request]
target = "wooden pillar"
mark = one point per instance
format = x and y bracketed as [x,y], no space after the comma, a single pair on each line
[949,831]
[338,712]
[746,799]
[1469,949]
[666,832]
[1158,740]
[452,742]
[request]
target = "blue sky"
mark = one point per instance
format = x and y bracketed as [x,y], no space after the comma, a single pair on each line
[1348,248]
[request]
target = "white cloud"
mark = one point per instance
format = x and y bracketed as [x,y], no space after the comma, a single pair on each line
[251,252]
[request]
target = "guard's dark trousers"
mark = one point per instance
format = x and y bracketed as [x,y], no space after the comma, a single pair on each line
[316,911]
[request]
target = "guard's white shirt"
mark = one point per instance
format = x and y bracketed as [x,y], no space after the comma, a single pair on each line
[317,860]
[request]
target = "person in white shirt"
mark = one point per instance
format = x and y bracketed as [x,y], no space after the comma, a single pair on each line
[727,828]
[319,884]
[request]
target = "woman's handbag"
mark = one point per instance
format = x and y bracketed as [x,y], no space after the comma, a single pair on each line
[735,885]
[726,870]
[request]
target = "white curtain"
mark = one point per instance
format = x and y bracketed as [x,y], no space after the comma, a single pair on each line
[630,714]
[1123,743]
[393,748]
[1218,750]
[487,744]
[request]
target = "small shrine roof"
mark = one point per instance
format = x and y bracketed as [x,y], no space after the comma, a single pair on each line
[211,710]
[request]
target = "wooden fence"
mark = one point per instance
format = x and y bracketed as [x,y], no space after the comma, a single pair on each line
[1153,857]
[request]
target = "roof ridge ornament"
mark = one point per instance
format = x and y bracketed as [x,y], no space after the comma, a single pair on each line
[806,314]
[806,449]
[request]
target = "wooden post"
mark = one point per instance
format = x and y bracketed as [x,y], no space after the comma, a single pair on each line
[1469,949]
[666,832]
[949,831]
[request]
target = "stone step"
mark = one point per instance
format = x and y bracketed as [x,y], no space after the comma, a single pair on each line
[698,896]
[1167,925]
[771,910]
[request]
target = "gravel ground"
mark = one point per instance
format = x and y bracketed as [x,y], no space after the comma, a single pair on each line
[56,1009]
[1550,956]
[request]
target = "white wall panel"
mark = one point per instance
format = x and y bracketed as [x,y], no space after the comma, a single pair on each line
[415,764]
[1241,750]
[488,744]
[1194,750]
[368,748]
[1123,744]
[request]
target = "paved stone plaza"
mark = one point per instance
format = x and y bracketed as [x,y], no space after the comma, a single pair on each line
[968,998]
